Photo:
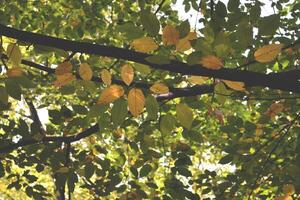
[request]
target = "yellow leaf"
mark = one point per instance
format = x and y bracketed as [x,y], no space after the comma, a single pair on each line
[185,115]
[211,62]
[106,76]
[63,68]
[170,35]
[62,170]
[192,36]
[127,74]
[267,53]
[144,44]
[110,94]
[159,88]
[64,79]
[235,85]
[183,45]
[136,101]
[285,197]
[85,72]
[288,189]
[15,72]
[197,80]
[14,54]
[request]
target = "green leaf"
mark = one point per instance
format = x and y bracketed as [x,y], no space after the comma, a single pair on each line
[158,59]
[221,9]
[14,54]
[145,170]
[152,107]
[13,89]
[233,5]
[167,124]
[184,28]
[226,159]
[3,95]
[2,170]
[268,25]
[72,179]
[24,82]
[150,22]
[119,112]
[184,115]
[130,30]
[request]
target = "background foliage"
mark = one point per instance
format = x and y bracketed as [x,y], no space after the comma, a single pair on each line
[218,140]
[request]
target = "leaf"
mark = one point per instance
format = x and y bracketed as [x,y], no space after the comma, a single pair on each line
[152,107]
[144,44]
[197,80]
[63,68]
[267,53]
[143,69]
[288,189]
[130,30]
[184,28]
[211,62]
[64,79]
[14,72]
[150,22]
[110,94]
[184,115]
[119,112]
[159,88]
[85,72]
[268,25]
[63,170]
[235,85]
[3,95]
[274,109]
[13,89]
[184,43]
[226,159]
[127,74]
[158,59]
[14,54]
[170,35]
[145,170]
[136,101]
[167,124]
[106,77]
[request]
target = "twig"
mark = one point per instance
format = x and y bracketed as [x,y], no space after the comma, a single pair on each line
[271,152]
[159,6]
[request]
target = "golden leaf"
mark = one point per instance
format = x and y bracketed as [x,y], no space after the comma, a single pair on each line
[64,79]
[62,170]
[288,189]
[15,72]
[170,35]
[63,68]
[127,74]
[235,85]
[197,80]
[144,44]
[285,197]
[14,54]
[274,109]
[106,76]
[184,115]
[136,101]
[211,62]
[183,45]
[192,36]
[85,72]
[110,94]
[267,53]
[159,88]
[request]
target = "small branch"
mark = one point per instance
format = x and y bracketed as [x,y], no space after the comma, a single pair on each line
[70,56]
[159,6]
[272,151]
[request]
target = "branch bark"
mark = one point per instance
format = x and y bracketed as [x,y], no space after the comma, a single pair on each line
[272,80]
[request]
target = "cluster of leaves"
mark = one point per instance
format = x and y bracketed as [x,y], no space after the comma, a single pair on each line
[115,128]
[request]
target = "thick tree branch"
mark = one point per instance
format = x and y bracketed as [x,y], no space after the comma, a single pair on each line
[272,80]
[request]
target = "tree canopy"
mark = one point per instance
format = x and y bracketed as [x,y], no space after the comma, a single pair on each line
[126,100]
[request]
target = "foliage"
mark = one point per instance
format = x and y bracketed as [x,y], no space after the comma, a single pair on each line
[144,105]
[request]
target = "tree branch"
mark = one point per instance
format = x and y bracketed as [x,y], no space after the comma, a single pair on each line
[272,80]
